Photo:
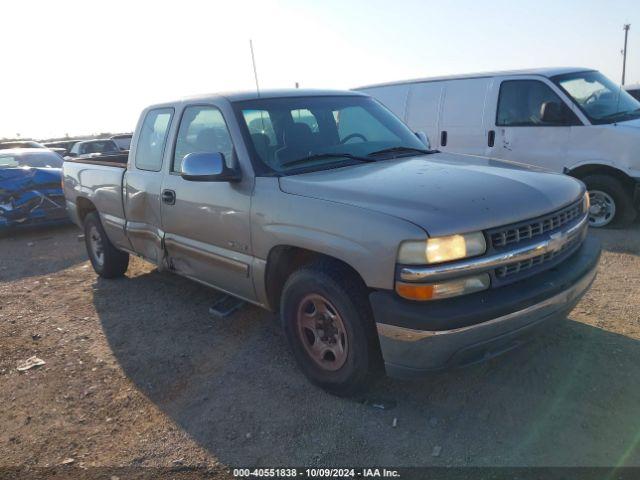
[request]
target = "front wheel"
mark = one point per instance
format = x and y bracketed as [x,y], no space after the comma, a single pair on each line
[107,260]
[329,325]
[611,203]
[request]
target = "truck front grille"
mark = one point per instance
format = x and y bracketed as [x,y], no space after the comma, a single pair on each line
[518,267]
[531,229]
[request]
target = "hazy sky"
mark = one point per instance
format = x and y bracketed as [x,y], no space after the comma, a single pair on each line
[86,67]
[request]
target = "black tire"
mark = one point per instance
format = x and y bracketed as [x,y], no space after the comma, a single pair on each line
[112,263]
[348,296]
[625,212]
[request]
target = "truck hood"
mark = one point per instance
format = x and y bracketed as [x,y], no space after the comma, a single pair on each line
[442,193]
[635,123]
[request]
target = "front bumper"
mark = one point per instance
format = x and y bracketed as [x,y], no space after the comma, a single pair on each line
[417,337]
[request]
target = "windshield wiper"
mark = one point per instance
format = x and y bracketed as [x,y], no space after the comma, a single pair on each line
[319,156]
[400,150]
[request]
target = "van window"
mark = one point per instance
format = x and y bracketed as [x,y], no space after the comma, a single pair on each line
[520,104]
[600,99]
[153,137]
[202,129]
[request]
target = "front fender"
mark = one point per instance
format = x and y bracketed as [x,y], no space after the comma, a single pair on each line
[366,240]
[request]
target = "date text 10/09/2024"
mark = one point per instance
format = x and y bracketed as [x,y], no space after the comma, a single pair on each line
[316,473]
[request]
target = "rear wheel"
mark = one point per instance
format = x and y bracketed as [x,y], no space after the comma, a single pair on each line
[611,202]
[107,260]
[329,325]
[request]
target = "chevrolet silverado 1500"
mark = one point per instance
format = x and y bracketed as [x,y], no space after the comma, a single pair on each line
[379,254]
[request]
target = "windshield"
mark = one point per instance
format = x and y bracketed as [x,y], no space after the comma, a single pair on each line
[36,160]
[601,100]
[313,133]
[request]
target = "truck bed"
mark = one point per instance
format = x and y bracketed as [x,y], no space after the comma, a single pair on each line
[98,181]
[110,159]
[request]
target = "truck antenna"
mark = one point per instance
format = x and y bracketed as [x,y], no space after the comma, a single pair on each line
[626,28]
[255,71]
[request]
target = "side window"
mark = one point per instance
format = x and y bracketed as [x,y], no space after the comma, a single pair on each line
[202,129]
[522,103]
[152,139]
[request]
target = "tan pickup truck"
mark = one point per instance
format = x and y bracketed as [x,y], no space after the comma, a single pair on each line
[379,253]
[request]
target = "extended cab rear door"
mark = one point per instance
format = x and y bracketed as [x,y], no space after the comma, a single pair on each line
[518,130]
[207,223]
[143,181]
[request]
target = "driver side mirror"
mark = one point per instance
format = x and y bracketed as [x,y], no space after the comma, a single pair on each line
[552,112]
[424,139]
[207,167]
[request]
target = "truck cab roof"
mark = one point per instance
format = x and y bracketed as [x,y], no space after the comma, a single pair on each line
[240,96]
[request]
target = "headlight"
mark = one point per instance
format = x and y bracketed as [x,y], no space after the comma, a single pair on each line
[441,249]
[586,203]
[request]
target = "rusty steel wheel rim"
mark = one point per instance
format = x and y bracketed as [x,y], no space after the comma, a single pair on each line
[322,332]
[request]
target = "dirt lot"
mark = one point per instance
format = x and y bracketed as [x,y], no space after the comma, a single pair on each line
[138,373]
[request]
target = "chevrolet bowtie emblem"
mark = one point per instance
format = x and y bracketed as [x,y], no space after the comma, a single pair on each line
[557,241]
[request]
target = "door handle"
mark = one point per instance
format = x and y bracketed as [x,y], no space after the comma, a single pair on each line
[491,138]
[169,197]
[443,138]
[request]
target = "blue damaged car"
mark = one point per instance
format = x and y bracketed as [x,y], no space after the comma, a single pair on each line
[30,188]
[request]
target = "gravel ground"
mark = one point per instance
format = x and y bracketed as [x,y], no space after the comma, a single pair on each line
[138,374]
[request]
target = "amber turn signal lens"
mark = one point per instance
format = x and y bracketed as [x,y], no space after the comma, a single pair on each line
[414,292]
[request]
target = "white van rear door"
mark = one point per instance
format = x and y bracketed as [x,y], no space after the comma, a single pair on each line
[520,132]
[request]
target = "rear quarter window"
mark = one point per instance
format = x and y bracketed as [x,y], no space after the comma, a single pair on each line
[152,139]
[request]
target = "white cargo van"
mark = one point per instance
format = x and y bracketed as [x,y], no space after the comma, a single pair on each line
[571,120]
